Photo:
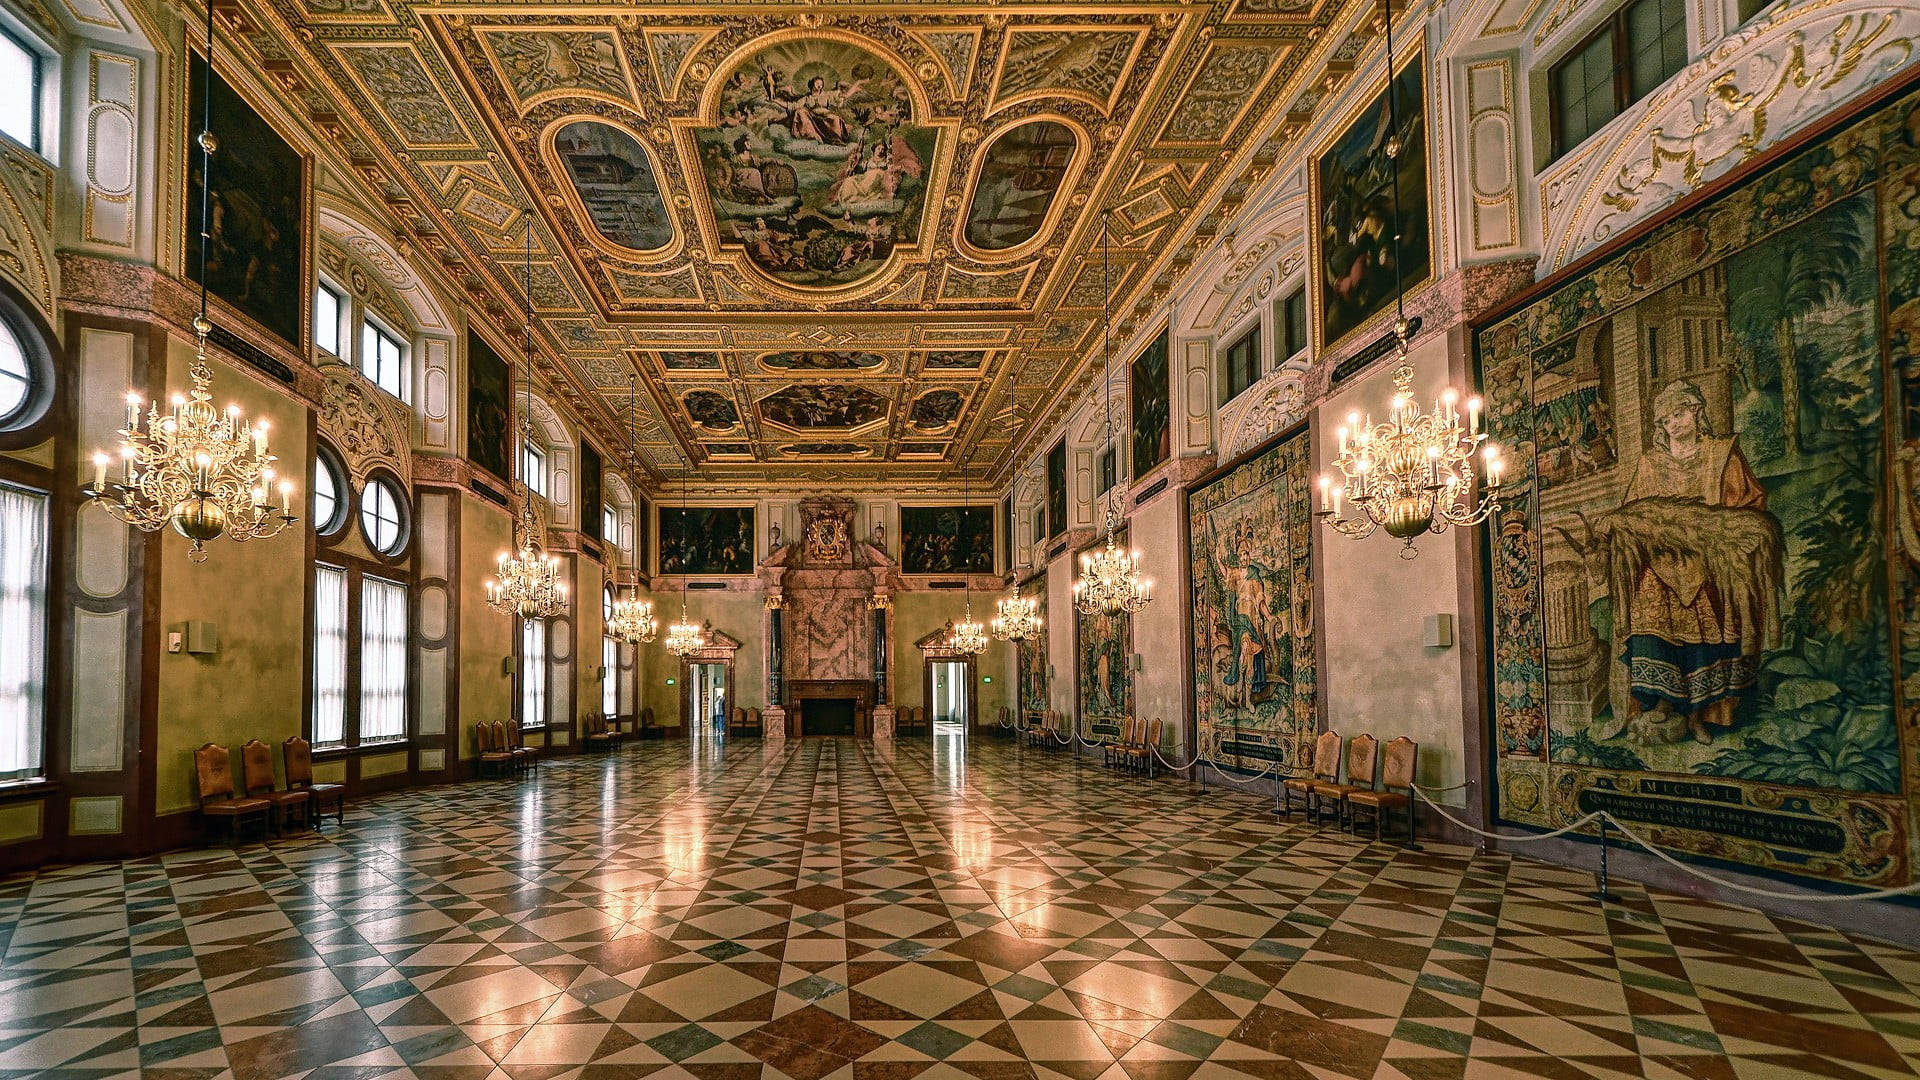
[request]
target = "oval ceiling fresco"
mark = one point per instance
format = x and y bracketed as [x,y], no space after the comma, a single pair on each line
[711,410]
[1021,173]
[935,410]
[814,406]
[614,178]
[816,169]
[821,361]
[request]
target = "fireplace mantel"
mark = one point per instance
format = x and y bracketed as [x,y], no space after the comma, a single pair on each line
[800,691]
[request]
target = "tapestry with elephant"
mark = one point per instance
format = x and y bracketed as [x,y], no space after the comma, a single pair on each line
[1703,582]
[1250,542]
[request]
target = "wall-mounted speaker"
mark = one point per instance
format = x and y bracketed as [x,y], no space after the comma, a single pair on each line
[1437,631]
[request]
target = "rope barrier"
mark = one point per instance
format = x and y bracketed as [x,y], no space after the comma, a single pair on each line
[1614,822]
[1228,777]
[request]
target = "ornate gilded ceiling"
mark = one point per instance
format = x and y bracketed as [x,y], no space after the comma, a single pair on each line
[825,235]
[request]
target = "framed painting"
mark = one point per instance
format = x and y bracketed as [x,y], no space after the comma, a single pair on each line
[946,539]
[1147,389]
[1703,584]
[1250,544]
[591,499]
[1355,186]
[256,248]
[489,407]
[1102,649]
[706,540]
[1057,489]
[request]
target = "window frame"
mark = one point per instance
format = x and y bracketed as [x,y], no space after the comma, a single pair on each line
[327,460]
[609,675]
[49,677]
[341,306]
[1106,470]
[355,571]
[535,681]
[375,331]
[1616,24]
[37,142]
[535,460]
[403,509]
[1250,343]
[1295,326]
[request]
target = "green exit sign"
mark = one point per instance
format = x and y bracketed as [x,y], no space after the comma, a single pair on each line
[670,682]
[987,679]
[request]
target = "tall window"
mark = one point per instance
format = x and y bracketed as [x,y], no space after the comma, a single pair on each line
[533,673]
[16,378]
[533,467]
[383,660]
[610,524]
[383,358]
[1240,366]
[326,319]
[329,655]
[1108,468]
[1293,315]
[609,676]
[1633,52]
[20,73]
[23,631]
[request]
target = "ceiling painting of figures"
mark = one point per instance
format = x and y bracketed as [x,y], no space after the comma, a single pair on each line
[881,200]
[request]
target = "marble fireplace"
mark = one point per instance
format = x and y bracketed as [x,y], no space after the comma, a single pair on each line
[828,605]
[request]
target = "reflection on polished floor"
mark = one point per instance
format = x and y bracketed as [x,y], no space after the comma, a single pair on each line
[819,908]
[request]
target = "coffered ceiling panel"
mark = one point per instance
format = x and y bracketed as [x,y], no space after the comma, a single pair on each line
[823,235]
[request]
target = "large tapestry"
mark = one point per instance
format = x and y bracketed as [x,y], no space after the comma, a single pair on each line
[1102,647]
[1147,386]
[1703,584]
[706,540]
[1250,539]
[1354,202]
[946,539]
[817,166]
[489,406]
[1032,655]
[255,247]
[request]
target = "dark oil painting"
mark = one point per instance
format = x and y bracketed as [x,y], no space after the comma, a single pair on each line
[255,245]
[1057,489]
[1357,189]
[1147,386]
[946,539]
[706,540]
[489,406]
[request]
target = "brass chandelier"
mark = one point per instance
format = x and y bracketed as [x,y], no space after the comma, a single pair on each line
[1414,473]
[1110,580]
[1016,617]
[526,583]
[968,638]
[632,622]
[685,636]
[205,473]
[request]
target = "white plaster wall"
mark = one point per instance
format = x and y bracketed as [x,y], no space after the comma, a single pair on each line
[1159,638]
[1378,676]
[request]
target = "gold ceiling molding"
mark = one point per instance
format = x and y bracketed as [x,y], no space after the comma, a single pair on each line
[454,114]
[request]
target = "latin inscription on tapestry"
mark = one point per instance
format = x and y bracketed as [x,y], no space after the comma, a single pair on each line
[1356,192]
[706,540]
[946,539]
[255,247]
[489,406]
[1032,654]
[1704,585]
[816,167]
[1104,687]
[1250,534]
[1147,387]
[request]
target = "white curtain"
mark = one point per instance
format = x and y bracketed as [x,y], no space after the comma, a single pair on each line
[383,660]
[610,676]
[23,631]
[533,673]
[329,655]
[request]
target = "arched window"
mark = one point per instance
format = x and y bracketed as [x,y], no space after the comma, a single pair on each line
[382,517]
[16,379]
[329,507]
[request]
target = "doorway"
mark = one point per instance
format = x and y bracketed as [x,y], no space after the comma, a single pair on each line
[950,694]
[707,700]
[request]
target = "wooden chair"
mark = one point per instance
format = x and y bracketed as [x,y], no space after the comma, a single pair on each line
[1326,766]
[514,741]
[1115,749]
[756,725]
[1363,762]
[493,749]
[594,734]
[1396,782]
[296,757]
[736,720]
[1140,755]
[213,772]
[256,774]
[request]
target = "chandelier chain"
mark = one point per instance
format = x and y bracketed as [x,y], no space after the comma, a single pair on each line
[632,621]
[1110,581]
[527,583]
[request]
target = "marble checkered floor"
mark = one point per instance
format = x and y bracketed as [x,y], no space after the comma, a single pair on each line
[823,909]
